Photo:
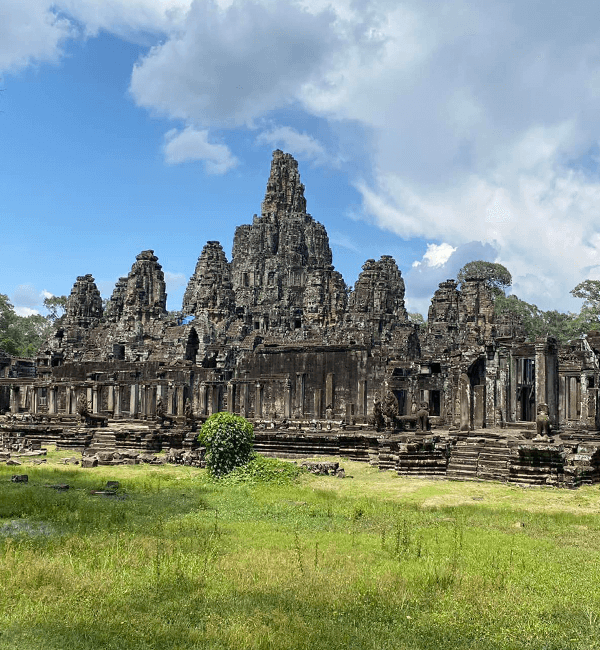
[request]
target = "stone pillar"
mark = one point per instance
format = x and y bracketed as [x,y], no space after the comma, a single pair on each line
[513,389]
[110,399]
[95,400]
[562,400]
[14,399]
[362,398]
[68,406]
[318,403]
[171,401]
[573,398]
[203,405]
[465,402]
[231,397]
[244,401]
[552,382]
[300,384]
[329,391]
[117,401]
[258,402]
[478,406]
[491,374]
[214,402]
[287,399]
[584,399]
[52,400]
[34,399]
[540,375]
[134,401]
[180,400]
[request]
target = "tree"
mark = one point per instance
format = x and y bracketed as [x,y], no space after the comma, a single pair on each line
[496,277]
[20,336]
[56,306]
[228,439]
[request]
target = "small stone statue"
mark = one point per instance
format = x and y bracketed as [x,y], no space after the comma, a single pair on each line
[543,420]
[188,412]
[160,409]
[377,421]
[423,417]
[329,412]
[390,410]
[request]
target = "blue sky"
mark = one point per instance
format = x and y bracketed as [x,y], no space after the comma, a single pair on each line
[435,132]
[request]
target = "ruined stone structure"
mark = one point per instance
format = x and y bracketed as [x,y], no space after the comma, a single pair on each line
[276,336]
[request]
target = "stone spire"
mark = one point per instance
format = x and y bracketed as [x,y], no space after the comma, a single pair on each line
[274,257]
[84,305]
[285,192]
[210,290]
[145,294]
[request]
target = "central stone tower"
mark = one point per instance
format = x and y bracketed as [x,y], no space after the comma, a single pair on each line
[283,253]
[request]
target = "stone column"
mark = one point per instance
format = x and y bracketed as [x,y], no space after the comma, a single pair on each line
[34,400]
[214,402]
[134,401]
[117,401]
[573,398]
[258,402]
[491,373]
[300,384]
[14,399]
[180,401]
[329,391]
[513,389]
[583,408]
[287,398]
[540,375]
[203,405]
[318,403]
[110,398]
[171,403]
[244,400]
[562,400]
[52,400]
[465,402]
[362,397]
[231,397]
[68,407]
[95,400]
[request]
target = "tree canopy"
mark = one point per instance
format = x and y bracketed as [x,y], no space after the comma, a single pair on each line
[56,306]
[496,276]
[20,336]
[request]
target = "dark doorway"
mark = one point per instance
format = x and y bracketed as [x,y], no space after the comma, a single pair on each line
[434,402]
[526,390]
[401,397]
[191,349]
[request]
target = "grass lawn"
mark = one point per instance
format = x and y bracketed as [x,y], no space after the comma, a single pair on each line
[177,561]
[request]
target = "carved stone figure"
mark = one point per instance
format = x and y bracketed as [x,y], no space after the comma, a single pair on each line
[423,417]
[542,420]
[390,410]
[377,420]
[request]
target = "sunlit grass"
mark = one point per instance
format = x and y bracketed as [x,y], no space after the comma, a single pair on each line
[176,560]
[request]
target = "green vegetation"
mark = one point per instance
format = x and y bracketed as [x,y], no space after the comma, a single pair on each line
[20,336]
[496,276]
[228,440]
[178,560]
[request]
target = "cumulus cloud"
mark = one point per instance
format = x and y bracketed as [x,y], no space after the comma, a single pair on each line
[191,144]
[436,255]
[30,31]
[301,145]
[228,66]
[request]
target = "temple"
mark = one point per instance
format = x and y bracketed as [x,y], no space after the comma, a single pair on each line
[277,336]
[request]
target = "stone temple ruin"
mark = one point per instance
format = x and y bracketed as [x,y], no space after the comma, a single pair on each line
[276,335]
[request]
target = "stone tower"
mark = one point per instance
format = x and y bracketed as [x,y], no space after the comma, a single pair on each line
[280,254]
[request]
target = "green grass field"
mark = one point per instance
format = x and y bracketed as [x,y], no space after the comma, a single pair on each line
[177,561]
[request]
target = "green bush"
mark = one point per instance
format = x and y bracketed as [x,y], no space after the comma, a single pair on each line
[228,440]
[264,470]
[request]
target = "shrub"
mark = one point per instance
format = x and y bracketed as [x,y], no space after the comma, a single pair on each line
[260,470]
[228,440]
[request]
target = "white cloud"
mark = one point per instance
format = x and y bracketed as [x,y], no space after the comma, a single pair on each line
[228,66]
[190,144]
[300,145]
[30,32]
[175,280]
[25,311]
[436,255]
